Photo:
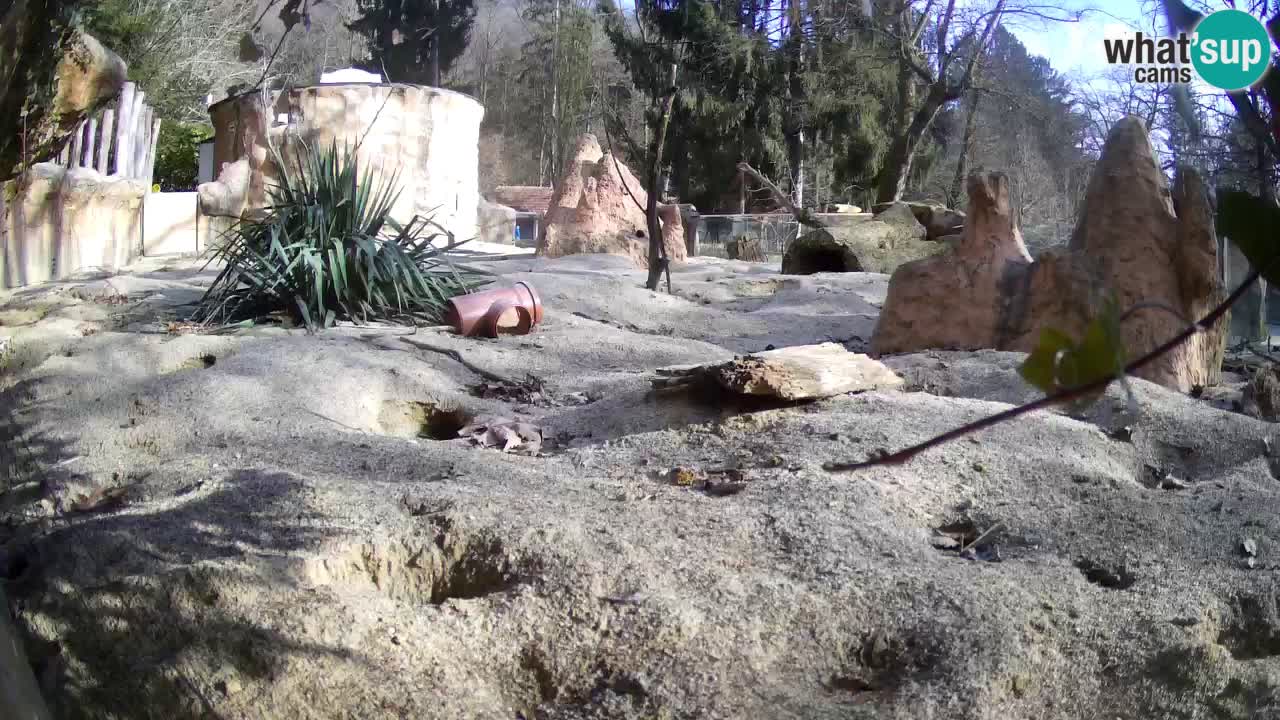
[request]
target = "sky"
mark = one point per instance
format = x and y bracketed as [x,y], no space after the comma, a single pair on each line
[1076,48]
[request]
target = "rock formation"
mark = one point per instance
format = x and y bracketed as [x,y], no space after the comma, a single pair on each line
[987,293]
[227,196]
[62,220]
[938,221]
[1260,397]
[54,75]
[862,244]
[598,207]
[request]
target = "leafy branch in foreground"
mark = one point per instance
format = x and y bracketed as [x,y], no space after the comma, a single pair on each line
[1079,372]
[326,249]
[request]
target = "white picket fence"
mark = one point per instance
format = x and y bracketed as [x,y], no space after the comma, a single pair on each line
[121,141]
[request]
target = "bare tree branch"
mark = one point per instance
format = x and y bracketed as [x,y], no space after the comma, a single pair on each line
[802,215]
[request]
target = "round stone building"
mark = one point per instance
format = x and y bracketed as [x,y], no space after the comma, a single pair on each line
[427,137]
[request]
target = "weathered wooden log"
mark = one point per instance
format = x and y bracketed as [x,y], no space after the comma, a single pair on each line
[803,372]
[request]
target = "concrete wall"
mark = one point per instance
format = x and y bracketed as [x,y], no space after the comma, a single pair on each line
[204,168]
[428,136]
[59,221]
[495,223]
[170,224]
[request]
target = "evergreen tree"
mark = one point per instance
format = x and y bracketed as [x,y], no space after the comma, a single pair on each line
[414,41]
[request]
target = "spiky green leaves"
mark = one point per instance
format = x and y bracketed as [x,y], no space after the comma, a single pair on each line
[327,249]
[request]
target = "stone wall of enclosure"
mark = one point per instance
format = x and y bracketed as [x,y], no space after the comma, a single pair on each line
[60,220]
[428,137]
[83,210]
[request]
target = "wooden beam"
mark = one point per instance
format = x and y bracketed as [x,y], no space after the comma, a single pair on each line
[90,136]
[137,133]
[141,142]
[77,145]
[150,164]
[123,139]
[104,149]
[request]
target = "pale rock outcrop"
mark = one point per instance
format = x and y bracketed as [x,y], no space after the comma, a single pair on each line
[987,292]
[939,221]
[598,207]
[1260,397]
[879,244]
[228,195]
[59,221]
[53,77]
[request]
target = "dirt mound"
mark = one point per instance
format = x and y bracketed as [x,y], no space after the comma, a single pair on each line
[290,532]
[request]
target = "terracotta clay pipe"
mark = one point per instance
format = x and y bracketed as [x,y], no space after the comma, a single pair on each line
[507,318]
[483,312]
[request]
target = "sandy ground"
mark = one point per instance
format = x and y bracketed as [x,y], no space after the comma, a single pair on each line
[263,525]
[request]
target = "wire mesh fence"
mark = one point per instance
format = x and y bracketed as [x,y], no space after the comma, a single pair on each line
[774,231]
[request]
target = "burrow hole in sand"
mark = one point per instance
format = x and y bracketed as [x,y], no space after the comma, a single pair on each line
[203,361]
[818,260]
[418,419]
[422,569]
[883,661]
[1250,627]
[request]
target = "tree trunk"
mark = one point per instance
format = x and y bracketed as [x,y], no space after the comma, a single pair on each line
[555,95]
[435,61]
[897,168]
[680,165]
[1266,189]
[795,105]
[906,95]
[657,261]
[435,47]
[966,146]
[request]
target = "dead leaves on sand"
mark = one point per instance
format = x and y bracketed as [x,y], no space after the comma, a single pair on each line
[503,434]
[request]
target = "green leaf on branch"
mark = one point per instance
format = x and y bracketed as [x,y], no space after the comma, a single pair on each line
[1060,364]
[1253,225]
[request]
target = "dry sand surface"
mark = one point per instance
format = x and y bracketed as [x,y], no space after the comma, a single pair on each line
[262,524]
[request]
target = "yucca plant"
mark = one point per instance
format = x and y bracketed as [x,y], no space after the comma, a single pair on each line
[326,249]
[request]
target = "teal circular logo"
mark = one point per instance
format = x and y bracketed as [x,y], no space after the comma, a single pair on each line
[1232,49]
